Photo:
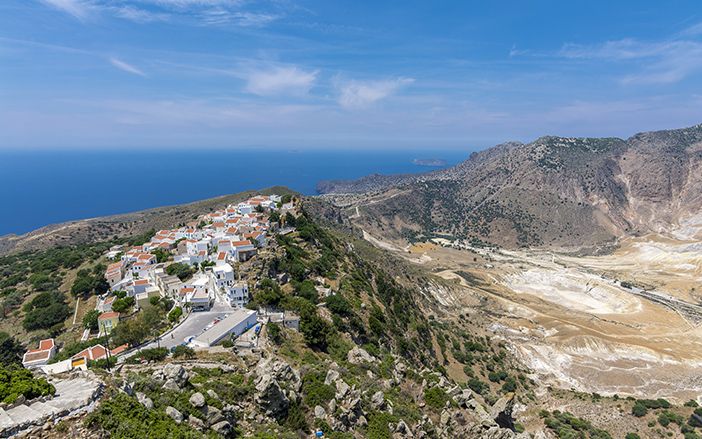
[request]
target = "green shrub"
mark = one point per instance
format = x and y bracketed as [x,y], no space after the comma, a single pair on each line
[378,427]
[45,311]
[154,354]
[181,351]
[123,417]
[639,410]
[16,381]
[338,305]
[175,314]
[274,333]
[90,319]
[435,397]
[314,391]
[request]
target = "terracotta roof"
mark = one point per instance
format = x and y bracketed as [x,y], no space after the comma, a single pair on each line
[92,353]
[241,243]
[108,315]
[119,349]
[36,356]
[44,345]
[141,282]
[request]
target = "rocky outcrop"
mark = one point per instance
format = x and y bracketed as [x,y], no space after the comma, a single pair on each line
[359,355]
[271,398]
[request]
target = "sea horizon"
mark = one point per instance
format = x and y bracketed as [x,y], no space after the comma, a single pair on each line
[89,184]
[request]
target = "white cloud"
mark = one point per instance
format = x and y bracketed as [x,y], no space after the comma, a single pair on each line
[661,62]
[360,94]
[77,8]
[126,67]
[281,80]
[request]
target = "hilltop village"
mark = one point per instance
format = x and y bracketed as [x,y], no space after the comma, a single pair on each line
[195,272]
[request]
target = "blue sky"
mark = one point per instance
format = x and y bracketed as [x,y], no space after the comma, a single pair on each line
[345,74]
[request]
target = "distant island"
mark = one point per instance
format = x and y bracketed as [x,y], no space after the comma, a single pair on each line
[429,162]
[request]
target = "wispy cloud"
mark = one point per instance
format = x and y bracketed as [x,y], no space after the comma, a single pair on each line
[77,8]
[281,80]
[695,29]
[126,67]
[661,62]
[360,94]
[201,12]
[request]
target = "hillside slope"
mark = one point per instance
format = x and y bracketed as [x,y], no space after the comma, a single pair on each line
[554,191]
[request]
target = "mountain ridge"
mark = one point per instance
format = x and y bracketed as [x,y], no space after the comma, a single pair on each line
[553,191]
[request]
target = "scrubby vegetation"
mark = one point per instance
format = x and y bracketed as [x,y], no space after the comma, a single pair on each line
[125,418]
[16,381]
[567,426]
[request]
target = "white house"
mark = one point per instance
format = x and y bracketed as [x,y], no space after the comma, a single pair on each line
[41,356]
[237,295]
[244,208]
[223,275]
[244,250]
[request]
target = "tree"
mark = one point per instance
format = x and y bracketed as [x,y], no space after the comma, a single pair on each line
[183,271]
[45,311]
[316,331]
[10,350]
[161,255]
[132,332]
[275,333]
[175,314]
[90,319]
[639,409]
[123,304]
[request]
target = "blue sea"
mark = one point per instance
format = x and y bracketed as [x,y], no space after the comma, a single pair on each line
[38,188]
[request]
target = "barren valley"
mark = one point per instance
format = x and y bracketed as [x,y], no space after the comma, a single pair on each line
[625,323]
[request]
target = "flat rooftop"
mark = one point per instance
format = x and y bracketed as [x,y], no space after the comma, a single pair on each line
[221,329]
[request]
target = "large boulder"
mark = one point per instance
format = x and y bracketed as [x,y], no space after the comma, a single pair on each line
[342,389]
[271,398]
[223,428]
[197,400]
[174,414]
[144,400]
[175,372]
[501,411]
[359,356]
[377,401]
[213,415]
[332,376]
[319,412]
[196,423]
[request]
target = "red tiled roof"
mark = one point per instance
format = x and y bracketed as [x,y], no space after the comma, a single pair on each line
[92,353]
[108,315]
[31,356]
[119,349]
[46,344]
